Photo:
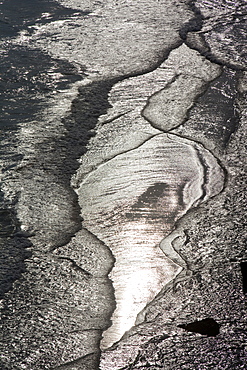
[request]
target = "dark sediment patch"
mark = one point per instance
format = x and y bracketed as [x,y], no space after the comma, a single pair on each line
[145,207]
[147,204]
[61,156]
[152,194]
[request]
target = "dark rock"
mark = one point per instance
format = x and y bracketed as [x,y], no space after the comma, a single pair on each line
[243,266]
[207,327]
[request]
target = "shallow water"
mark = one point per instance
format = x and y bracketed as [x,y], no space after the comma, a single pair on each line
[78,140]
[131,203]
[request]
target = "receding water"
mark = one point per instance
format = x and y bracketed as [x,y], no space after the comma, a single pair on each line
[131,203]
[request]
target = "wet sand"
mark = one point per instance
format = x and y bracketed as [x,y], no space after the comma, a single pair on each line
[89,89]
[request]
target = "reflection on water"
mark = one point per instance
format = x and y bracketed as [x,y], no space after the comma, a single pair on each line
[131,203]
[140,272]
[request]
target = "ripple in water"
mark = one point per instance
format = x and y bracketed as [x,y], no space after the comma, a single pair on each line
[131,203]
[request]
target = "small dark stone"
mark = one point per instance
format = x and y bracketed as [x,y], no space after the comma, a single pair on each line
[207,327]
[243,266]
